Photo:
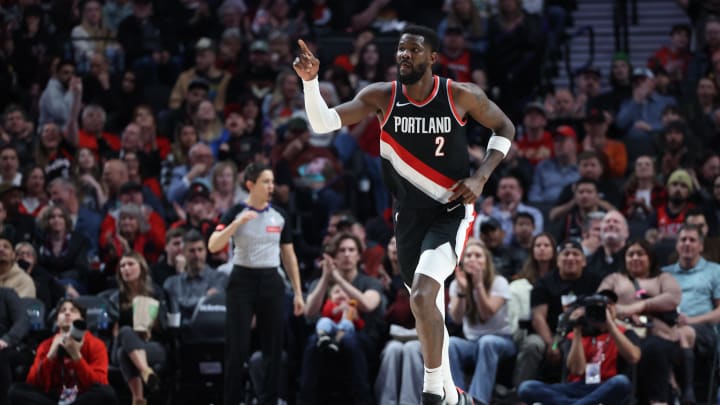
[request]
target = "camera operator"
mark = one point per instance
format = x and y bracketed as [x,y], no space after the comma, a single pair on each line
[67,370]
[549,296]
[598,351]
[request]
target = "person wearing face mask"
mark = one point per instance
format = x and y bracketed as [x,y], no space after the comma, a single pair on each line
[11,275]
[47,288]
[67,369]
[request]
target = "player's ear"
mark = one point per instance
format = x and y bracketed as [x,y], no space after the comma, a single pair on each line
[434,57]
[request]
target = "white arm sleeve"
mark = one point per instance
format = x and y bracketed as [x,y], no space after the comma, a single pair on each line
[322,119]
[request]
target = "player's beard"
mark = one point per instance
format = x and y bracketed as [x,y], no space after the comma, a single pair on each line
[414,76]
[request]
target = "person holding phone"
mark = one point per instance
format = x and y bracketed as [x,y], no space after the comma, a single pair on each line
[67,370]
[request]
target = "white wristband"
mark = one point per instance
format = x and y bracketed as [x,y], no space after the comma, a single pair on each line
[500,144]
[321,118]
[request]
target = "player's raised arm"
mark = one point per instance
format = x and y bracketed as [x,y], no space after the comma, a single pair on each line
[324,119]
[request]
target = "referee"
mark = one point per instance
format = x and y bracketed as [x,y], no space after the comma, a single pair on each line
[261,237]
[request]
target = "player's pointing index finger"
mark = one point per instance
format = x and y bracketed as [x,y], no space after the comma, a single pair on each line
[304,48]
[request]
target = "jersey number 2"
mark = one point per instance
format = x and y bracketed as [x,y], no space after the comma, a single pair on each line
[440,142]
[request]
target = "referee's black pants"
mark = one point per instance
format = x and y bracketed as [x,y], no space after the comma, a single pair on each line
[260,292]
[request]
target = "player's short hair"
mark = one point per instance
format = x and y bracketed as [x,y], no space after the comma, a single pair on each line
[430,35]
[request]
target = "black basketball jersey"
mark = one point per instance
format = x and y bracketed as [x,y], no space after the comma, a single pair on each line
[423,146]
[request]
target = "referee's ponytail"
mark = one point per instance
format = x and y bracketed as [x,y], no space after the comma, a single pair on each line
[252,172]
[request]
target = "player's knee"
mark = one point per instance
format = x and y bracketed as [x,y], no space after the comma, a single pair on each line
[421,301]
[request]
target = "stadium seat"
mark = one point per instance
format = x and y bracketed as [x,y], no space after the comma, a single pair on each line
[202,351]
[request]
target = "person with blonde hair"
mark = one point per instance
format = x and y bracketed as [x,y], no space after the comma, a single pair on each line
[478,299]
[92,37]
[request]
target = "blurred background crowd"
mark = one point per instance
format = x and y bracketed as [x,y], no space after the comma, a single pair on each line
[127,124]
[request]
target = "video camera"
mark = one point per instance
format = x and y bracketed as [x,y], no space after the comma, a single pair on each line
[595,306]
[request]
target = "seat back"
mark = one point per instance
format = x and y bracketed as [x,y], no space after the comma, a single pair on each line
[202,355]
[207,324]
[36,313]
[97,313]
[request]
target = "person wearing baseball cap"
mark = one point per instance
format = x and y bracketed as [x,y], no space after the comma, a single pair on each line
[642,113]
[204,69]
[591,379]
[670,216]
[549,298]
[200,211]
[554,174]
[588,84]
[507,261]
[535,143]
[596,128]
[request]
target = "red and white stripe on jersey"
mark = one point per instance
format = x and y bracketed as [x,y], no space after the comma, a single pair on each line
[464,230]
[389,108]
[423,177]
[433,93]
[457,116]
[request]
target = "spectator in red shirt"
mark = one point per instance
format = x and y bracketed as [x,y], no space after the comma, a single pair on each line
[339,317]
[670,217]
[594,361]
[535,142]
[457,62]
[133,233]
[132,161]
[349,61]
[132,193]
[674,58]
[65,368]
[92,136]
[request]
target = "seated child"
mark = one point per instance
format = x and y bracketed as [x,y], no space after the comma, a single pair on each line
[339,317]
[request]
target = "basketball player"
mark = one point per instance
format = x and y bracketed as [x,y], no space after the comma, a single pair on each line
[425,166]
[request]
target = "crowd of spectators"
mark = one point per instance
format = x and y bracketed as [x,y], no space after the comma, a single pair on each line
[126,125]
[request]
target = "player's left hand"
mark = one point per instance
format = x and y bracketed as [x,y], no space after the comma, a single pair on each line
[467,190]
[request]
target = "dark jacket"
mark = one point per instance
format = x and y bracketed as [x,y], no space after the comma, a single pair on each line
[14,323]
[71,262]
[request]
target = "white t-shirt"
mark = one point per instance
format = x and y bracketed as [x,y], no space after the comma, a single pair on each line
[519,306]
[644,195]
[498,324]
